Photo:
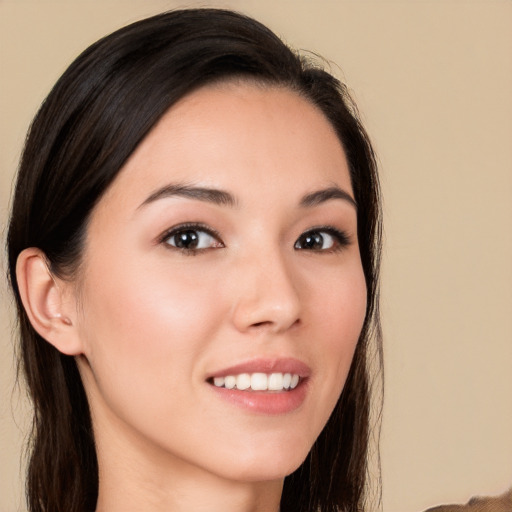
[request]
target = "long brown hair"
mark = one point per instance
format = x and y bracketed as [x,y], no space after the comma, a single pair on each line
[93,119]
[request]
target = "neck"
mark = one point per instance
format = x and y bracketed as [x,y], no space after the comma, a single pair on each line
[135,476]
[122,492]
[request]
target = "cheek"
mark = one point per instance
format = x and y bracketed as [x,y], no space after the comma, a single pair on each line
[340,312]
[130,304]
[144,329]
[340,306]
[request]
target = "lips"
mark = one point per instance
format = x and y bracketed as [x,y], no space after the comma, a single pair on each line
[268,386]
[267,366]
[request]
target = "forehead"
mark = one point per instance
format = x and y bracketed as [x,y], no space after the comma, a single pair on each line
[235,135]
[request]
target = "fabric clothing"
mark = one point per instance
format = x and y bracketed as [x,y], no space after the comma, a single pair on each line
[501,503]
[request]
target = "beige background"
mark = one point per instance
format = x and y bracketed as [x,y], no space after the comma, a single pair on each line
[433,80]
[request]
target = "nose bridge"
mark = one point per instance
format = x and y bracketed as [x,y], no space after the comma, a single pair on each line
[267,292]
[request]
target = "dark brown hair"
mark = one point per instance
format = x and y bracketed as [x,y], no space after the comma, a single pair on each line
[93,119]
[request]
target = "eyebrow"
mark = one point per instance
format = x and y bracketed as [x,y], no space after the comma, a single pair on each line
[321,196]
[209,195]
[224,198]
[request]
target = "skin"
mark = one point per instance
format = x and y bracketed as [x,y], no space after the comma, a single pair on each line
[150,322]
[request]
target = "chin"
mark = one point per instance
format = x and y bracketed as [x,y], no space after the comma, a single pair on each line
[267,466]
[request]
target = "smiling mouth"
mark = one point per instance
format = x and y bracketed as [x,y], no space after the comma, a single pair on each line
[275,382]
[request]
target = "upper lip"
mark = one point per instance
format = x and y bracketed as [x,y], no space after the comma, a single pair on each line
[266,365]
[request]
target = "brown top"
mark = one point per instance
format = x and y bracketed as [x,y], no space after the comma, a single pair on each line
[501,503]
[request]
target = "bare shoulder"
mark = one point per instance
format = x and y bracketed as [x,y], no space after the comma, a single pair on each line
[501,503]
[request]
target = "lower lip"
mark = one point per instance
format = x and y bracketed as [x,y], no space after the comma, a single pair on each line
[271,403]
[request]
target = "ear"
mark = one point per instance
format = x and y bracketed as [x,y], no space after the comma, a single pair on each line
[48,302]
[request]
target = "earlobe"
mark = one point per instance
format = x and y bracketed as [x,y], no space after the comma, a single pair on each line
[46,303]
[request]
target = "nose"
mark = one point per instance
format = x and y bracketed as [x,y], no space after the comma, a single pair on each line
[267,295]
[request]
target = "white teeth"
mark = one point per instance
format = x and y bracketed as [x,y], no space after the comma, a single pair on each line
[258,381]
[218,381]
[230,382]
[275,382]
[243,381]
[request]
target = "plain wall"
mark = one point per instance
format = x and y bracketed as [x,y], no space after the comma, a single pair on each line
[433,80]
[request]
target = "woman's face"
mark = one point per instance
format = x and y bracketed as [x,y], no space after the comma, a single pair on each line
[224,255]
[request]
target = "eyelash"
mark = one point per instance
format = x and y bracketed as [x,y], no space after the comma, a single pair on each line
[341,238]
[190,226]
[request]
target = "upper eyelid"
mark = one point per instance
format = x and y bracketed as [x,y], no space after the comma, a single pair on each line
[343,237]
[198,226]
[328,229]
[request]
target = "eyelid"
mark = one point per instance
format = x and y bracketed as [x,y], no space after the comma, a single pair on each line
[341,236]
[198,226]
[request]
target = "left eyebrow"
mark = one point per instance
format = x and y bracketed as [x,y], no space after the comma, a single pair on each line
[326,194]
[209,195]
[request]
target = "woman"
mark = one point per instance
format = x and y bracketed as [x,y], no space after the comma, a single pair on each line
[194,248]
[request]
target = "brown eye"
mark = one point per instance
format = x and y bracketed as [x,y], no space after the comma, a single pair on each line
[186,239]
[190,238]
[322,240]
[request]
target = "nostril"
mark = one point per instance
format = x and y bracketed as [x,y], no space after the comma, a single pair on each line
[260,324]
[269,323]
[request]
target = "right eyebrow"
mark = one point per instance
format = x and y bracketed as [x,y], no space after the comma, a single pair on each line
[324,195]
[209,195]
